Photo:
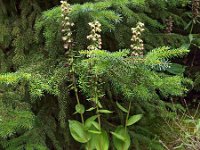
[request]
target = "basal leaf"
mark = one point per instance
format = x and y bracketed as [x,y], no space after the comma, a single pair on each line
[98,141]
[117,138]
[78,132]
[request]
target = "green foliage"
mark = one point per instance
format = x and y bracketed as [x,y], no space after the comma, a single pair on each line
[26,89]
[110,67]
[23,121]
[78,132]
[99,141]
[113,66]
[111,14]
[121,139]
[133,119]
[157,56]
[40,81]
[183,126]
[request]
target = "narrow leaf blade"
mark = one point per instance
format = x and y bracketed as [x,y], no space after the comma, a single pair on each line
[133,119]
[121,107]
[105,111]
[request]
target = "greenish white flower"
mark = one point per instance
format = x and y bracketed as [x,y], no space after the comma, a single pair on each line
[94,37]
[66,25]
[137,43]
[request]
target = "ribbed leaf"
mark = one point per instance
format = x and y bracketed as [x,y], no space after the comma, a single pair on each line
[98,141]
[78,132]
[117,139]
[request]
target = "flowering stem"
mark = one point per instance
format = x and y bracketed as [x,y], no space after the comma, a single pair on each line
[97,100]
[76,89]
[127,116]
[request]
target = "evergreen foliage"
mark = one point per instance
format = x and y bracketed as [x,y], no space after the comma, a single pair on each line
[40,80]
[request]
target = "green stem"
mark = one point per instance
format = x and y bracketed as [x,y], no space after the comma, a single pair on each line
[99,118]
[127,116]
[96,101]
[75,89]
[78,101]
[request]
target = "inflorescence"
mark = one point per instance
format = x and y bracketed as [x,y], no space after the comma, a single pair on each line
[195,8]
[137,43]
[169,25]
[66,25]
[95,37]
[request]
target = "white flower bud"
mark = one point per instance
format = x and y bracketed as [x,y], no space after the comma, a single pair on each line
[64,38]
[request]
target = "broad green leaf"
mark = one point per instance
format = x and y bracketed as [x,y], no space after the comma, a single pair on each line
[89,121]
[78,132]
[80,108]
[133,119]
[105,111]
[119,143]
[102,142]
[98,141]
[121,107]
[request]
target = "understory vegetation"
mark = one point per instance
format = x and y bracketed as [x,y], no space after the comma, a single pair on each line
[100,75]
